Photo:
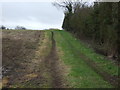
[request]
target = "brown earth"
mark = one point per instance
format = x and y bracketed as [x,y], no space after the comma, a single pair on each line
[26,63]
[52,63]
[18,49]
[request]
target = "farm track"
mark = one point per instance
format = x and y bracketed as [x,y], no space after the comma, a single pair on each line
[113,80]
[44,72]
[51,62]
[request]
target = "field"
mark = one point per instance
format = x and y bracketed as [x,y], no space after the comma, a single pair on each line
[53,59]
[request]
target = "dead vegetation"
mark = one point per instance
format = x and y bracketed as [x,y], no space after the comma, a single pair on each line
[30,60]
[18,50]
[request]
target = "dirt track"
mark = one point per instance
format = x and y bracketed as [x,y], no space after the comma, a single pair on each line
[27,65]
[51,62]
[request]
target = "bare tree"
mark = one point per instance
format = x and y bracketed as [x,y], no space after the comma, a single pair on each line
[69,6]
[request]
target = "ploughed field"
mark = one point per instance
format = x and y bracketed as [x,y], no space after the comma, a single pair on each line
[53,59]
[18,51]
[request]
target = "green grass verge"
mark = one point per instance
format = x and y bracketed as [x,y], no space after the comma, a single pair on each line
[81,75]
[104,64]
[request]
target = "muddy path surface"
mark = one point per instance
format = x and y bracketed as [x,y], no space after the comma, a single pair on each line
[52,64]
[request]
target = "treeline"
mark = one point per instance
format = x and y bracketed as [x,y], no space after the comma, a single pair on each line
[98,23]
[16,28]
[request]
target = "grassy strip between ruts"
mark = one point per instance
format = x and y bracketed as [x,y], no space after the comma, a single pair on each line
[81,75]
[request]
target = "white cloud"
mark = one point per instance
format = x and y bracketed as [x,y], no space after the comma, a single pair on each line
[31,15]
[31,24]
[27,0]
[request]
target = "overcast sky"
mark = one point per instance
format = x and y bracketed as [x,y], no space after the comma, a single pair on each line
[31,14]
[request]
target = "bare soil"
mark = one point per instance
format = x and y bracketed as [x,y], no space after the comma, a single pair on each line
[52,64]
[21,69]
[18,50]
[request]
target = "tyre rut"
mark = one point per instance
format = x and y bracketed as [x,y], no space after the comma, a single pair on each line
[52,64]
